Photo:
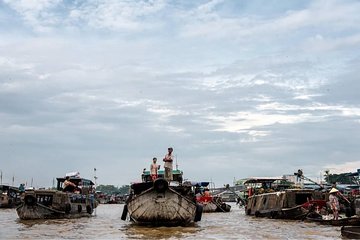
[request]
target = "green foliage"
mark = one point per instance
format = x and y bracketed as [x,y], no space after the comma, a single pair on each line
[111,189]
[341,178]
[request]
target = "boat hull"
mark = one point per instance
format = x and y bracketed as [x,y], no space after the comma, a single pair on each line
[208,207]
[352,232]
[347,221]
[213,204]
[55,205]
[167,208]
[287,204]
[7,202]
[39,211]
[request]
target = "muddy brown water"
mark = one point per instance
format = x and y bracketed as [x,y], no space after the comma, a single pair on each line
[106,224]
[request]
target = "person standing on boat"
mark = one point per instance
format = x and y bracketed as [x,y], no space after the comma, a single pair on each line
[168,166]
[334,202]
[154,167]
[22,188]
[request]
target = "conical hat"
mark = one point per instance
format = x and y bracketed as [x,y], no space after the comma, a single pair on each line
[333,190]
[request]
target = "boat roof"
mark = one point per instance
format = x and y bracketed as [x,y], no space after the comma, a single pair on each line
[76,179]
[355,174]
[262,180]
[200,184]
[8,187]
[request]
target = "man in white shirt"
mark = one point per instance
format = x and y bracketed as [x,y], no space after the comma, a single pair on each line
[168,165]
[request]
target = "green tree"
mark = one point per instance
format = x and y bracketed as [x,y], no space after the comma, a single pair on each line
[343,178]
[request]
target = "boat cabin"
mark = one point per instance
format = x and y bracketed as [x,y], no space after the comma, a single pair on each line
[85,185]
[147,183]
[265,185]
[9,190]
[177,175]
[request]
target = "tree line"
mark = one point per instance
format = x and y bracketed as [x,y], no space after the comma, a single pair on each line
[111,189]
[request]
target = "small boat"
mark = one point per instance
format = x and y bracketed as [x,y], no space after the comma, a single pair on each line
[54,204]
[162,203]
[352,232]
[209,202]
[284,204]
[213,204]
[9,196]
[342,221]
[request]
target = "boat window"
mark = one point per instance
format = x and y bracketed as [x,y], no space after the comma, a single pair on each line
[45,200]
[302,198]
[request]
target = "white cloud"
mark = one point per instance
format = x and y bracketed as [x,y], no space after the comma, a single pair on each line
[91,80]
[343,167]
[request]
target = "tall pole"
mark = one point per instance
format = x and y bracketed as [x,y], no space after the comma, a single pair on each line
[1,177]
[95,177]
[176,162]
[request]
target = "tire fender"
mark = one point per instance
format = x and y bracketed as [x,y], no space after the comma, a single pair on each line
[89,209]
[67,208]
[160,185]
[30,200]
[124,213]
[198,213]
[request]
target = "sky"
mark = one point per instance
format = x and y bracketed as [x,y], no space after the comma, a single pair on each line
[238,88]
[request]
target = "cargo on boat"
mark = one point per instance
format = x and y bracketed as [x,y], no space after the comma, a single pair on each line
[9,196]
[281,203]
[69,202]
[162,203]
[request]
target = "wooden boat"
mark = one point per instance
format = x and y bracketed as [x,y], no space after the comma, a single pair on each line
[352,232]
[9,196]
[45,204]
[342,221]
[285,203]
[162,203]
[213,204]
[209,202]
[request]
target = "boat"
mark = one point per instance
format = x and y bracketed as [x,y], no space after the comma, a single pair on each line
[283,203]
[209,202]
[9,196]
[55,204]
[162,203]
[352,232]
[342,221]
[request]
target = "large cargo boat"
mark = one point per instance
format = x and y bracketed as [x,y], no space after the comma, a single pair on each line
[45,204]
[162,203]
[285,203]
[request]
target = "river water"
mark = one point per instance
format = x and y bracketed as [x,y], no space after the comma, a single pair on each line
[106,224]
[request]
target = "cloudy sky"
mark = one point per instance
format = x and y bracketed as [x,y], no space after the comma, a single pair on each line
[237,88]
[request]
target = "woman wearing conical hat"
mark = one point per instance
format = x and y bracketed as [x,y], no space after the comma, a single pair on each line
[334,202]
